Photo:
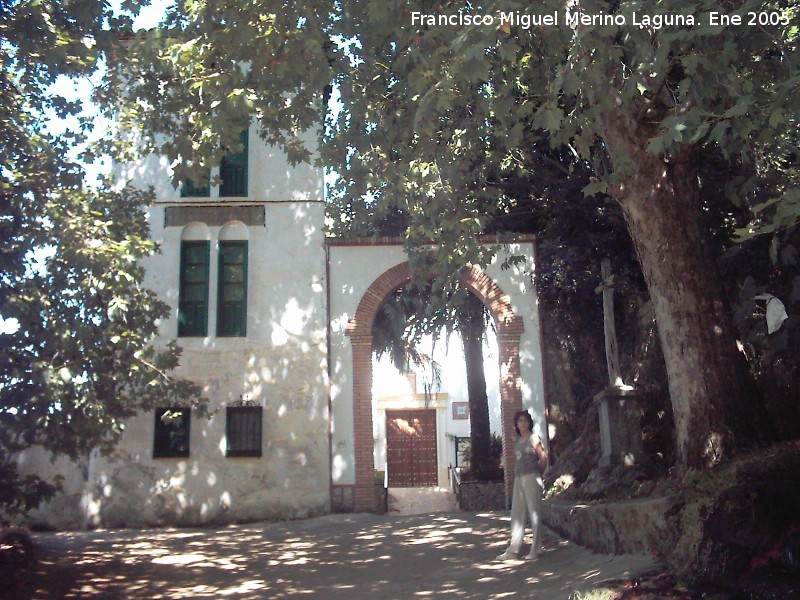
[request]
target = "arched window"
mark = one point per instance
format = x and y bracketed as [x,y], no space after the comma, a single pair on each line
[194,281]
[232,280]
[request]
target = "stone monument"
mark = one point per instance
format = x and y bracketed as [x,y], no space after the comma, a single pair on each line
[619,404]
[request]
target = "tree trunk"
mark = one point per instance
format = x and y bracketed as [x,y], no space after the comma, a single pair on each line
[472,328]
[716,405]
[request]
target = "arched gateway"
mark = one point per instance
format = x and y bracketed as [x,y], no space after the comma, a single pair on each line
[515,316]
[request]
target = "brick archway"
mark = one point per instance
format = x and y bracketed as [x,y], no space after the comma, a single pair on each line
[359,329]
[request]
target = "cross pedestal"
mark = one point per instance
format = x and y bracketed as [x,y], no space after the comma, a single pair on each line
[620,426]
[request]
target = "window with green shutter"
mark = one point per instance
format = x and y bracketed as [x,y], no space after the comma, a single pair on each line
[243,431]
[233,171]
[232,296]
[193,293]
[189,189]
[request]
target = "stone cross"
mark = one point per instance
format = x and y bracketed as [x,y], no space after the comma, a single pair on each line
[606,287]
[620,431]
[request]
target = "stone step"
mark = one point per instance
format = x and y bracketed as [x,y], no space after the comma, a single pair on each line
[421,500]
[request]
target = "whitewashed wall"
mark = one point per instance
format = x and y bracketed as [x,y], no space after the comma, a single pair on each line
[270,176]
[281,365]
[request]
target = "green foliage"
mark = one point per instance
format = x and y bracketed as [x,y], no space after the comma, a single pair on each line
[211,68]
[434,117]
[391,337]
[80,358]
[437,122]
[480,97]
[490,470]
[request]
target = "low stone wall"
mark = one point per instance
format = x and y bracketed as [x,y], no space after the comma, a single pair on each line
[476,495]
[629,527]
[381,498]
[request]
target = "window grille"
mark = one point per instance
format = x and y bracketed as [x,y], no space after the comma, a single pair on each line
[243,430]
[189,189]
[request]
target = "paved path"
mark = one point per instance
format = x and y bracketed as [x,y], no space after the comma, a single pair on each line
[420,501]
[332,557]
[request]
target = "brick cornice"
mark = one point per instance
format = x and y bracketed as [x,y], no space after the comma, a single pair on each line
[396,240]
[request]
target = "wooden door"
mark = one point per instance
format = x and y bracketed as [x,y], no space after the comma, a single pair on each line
[411,448]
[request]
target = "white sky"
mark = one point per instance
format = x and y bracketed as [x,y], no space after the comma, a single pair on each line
[149,15]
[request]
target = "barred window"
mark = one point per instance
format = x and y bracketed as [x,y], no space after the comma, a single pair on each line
[243,430]
[190,189]
[172,432]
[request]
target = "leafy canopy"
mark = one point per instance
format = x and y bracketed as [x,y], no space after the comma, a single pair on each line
[434,118]
[76,351]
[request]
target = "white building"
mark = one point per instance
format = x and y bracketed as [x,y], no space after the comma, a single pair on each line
[275,324]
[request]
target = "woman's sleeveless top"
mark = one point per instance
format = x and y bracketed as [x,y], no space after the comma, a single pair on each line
[527,461]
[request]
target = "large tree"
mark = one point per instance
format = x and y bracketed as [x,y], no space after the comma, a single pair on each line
[434,115]
[76,350]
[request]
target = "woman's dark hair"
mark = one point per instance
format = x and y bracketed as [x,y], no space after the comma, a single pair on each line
[526,414]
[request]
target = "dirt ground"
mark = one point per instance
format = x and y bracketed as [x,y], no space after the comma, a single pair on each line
[333,557]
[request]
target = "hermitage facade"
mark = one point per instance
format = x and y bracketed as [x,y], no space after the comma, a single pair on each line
[275,324]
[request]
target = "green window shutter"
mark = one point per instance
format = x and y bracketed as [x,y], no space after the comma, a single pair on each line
[233,171]
[232,290]
[189,189]
[193,293]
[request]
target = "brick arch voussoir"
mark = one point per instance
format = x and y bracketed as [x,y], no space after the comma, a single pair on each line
[361,323]
[496,301]
[478,282]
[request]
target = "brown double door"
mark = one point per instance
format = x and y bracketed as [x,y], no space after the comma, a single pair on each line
[411,448]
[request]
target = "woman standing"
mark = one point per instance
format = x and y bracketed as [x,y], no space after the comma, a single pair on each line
[526,500]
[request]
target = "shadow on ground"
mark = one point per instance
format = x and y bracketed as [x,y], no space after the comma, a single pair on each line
[337,556]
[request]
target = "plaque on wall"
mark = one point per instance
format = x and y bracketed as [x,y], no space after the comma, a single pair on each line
[178,216]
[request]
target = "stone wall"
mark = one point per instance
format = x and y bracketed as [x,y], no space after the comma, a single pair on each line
[476,495]
[629,527]
[290,480]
